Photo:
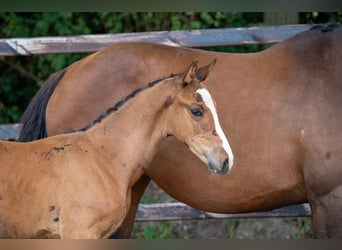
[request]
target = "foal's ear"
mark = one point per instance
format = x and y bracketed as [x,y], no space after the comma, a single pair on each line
[203,72]
[190,74]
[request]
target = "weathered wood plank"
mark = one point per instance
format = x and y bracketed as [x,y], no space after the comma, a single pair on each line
[190,38]
[180,211]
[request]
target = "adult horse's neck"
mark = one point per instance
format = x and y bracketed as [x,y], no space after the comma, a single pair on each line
[131,134]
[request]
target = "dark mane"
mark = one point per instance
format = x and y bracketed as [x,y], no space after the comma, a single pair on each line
[123,101]
[325,27]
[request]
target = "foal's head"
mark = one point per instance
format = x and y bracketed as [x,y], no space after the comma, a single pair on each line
[192,118]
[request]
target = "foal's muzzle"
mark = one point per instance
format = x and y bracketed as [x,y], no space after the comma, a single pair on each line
[218,161]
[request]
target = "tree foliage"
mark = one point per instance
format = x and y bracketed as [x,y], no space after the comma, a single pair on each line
[22,76]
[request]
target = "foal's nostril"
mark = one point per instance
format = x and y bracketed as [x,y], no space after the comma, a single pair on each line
[225,166]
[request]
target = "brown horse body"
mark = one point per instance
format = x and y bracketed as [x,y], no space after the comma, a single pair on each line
[282,110]
[79,185]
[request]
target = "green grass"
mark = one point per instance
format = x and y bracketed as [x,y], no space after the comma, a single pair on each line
[145,200]
[158,230]
[304,228]
[162,231]
[233,229]
[231,225]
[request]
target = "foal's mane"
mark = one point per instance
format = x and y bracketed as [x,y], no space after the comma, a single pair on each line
[124,100]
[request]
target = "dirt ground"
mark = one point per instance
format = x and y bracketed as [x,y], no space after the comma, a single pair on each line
[269,228]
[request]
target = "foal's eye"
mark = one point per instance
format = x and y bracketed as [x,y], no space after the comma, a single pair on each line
[196,112]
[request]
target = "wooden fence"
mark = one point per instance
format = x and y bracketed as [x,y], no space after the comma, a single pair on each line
[192,38]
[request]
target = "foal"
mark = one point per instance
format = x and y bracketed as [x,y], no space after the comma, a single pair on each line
[79,185]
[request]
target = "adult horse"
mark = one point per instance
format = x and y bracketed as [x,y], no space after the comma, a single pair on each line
[80,183]
[282,110]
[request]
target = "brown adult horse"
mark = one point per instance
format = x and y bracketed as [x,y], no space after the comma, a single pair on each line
[282,109]
[80,183]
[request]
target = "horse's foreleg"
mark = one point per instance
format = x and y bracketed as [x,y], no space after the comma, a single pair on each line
[87,219]
[126,227]
[99,226]
[327,215]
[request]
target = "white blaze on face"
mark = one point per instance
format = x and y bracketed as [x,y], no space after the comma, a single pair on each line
[208,101]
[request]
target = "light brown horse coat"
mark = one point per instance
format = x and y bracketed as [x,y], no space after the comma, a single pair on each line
[79,185]
[282,110]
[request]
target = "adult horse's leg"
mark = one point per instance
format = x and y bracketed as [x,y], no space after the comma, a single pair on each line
[126,227]
[326,215]
[323,180]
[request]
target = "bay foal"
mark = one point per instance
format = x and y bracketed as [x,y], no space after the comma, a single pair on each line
[78,185]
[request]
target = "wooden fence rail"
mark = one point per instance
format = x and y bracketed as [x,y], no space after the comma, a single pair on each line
[192,38]
[180,211]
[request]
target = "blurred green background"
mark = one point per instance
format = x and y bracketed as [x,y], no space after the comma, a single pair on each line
[21,76]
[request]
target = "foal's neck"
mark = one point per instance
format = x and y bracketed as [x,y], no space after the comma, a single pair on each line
[133,133]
